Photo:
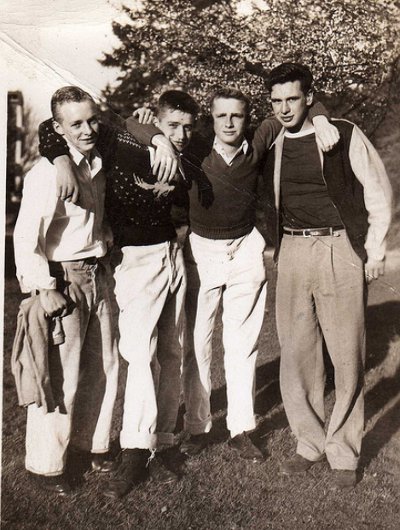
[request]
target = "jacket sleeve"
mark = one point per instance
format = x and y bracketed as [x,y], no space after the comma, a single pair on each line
[370,171]
[37,209]
[141,132]
[51,144]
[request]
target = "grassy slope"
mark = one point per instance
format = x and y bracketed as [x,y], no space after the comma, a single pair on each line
[218,490]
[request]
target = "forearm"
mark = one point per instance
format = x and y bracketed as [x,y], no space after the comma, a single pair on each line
[144,134]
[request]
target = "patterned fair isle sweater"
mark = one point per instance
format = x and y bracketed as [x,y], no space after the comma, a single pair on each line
[138,207]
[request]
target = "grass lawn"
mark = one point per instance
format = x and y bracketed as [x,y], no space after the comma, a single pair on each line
[217,490]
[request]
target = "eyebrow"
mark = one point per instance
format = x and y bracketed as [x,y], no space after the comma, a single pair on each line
[280,99]
[236,114]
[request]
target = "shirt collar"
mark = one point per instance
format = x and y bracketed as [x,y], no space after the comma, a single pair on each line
[95,162]
[219,148]
[299,134]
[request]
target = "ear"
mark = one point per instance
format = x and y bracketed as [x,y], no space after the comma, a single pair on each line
[156,121]
[309,98]
[58,128]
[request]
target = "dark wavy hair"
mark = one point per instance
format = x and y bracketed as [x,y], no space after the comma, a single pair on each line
[287,72]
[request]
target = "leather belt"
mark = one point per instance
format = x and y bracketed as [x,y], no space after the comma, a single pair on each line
[312,232]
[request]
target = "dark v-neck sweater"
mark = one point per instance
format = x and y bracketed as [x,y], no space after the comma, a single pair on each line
[231,213]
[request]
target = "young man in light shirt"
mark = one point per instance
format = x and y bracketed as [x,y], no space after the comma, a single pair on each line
[59,248]
[334,212]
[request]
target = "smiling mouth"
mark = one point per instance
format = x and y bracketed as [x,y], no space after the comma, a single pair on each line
[287,118]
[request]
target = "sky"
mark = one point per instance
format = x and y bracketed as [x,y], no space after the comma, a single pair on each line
[51,43]
[45,45]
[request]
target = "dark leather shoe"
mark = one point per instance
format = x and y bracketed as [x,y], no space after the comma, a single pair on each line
[57,484]
[297,464]
[194,444]
[131,471]
[245,447]
[344,479]
[103,462]
[159,471]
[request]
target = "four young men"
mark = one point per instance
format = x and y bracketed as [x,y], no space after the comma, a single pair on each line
[325,216]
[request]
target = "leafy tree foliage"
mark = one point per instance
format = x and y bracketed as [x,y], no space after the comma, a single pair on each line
[351,46]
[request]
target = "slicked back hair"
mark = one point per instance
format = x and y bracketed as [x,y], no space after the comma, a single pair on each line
[289,72]
[67,94]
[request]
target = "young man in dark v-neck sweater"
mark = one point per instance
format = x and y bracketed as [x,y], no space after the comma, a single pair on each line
[224,262]
[333,214]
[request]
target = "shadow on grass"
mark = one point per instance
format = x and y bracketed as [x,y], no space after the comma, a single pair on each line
[383,326]
[388,424]
[9,265]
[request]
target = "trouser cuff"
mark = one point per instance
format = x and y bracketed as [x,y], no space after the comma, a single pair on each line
[308,453]
[197,427]
[146,440]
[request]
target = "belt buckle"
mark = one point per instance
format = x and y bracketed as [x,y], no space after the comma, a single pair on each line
[310,234]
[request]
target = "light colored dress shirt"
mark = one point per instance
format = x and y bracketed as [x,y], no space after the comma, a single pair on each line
[219,148]
[49,229]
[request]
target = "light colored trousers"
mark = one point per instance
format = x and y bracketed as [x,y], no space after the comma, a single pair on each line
[234,271]
[321,295]
[83,374]
[150,290]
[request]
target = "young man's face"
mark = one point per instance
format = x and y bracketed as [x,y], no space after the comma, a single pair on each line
[230,120]
[177,126]
[290,104]
[78,122]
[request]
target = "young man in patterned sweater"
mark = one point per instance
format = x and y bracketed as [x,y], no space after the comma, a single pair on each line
[150,287]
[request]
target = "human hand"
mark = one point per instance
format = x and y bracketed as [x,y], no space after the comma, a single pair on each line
[373,269]
[166,161]
[53,302]
[327,135]
[144,115]
[66,179]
